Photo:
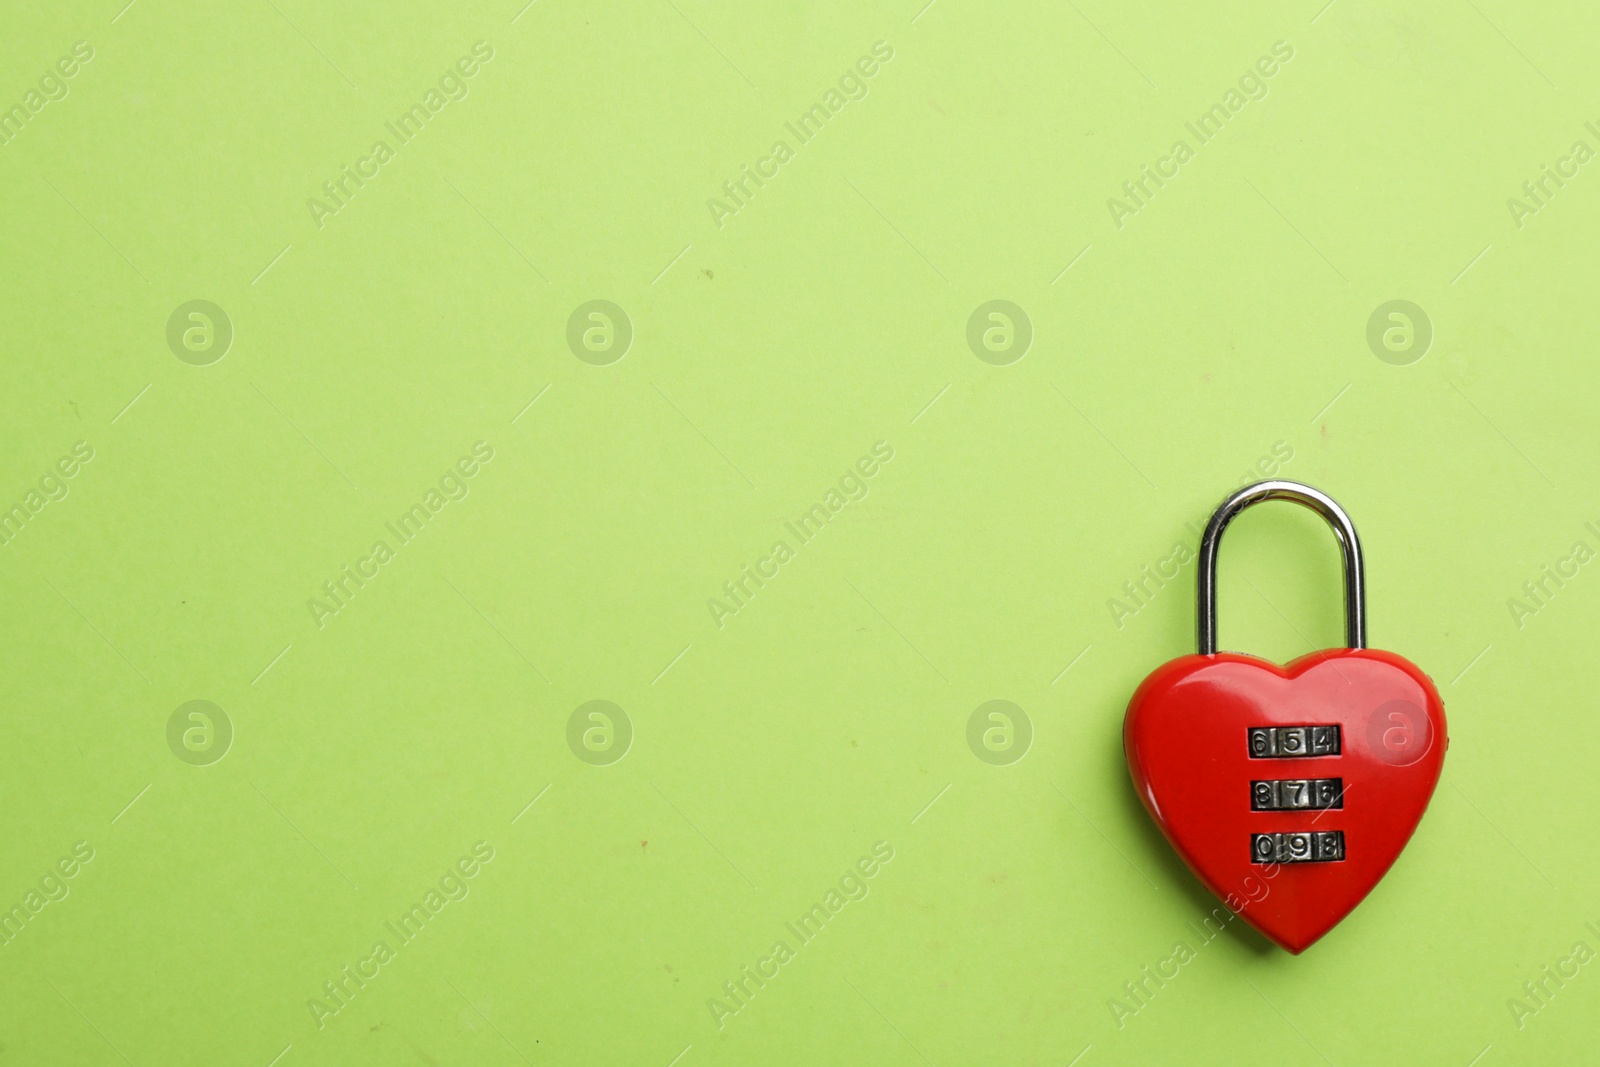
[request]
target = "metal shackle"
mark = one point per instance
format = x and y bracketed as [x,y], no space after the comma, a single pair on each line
[1355,601]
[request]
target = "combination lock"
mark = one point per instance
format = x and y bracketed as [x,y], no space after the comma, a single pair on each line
[1288,790]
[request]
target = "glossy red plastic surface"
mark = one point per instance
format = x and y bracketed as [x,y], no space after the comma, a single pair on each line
[1186,737]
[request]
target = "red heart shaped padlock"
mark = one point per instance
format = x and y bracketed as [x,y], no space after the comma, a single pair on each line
[1289,791]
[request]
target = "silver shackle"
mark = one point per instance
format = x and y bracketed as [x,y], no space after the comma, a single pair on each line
[1355,603]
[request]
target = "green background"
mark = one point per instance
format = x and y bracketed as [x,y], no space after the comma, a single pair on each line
[1227,317]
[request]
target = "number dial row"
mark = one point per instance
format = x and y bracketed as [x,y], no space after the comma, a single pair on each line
[1292,742]
[1297,794]
[1320,846]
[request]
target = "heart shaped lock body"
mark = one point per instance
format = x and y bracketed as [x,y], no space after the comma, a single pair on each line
[1289,791]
